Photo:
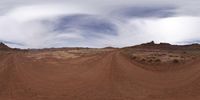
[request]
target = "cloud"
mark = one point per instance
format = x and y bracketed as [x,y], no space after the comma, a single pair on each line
[35,12]
[95,23]
[145,11]
[90,25]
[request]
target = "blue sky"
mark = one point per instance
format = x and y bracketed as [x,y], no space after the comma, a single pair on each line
[97,23]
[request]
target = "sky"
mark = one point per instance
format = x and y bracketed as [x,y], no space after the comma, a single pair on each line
[98,23]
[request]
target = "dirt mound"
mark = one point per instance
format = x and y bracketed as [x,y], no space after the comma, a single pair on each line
[167,46]
[153,45]
[4,47]
[163,56]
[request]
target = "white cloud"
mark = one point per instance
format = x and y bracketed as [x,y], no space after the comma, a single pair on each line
[174,30]
[35,12]
[22,22]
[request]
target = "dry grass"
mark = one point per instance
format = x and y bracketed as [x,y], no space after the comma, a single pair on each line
[65,54]
[53,54]
[89,51]
[159,56]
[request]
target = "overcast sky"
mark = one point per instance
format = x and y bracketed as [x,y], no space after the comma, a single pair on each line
[98,23]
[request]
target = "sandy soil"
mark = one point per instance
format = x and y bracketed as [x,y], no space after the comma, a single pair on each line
[103,76]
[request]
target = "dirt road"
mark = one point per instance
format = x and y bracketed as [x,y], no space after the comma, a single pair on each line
[106,76]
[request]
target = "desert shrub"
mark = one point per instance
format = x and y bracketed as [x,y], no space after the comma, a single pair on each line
[184,52]
[175,61]
[193,57]
[163,54]
[134,57]
[150,60]
[151,57]
[157,60]
[182,57]
[143,60]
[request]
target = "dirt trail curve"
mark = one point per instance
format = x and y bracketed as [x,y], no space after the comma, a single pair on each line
[109,76]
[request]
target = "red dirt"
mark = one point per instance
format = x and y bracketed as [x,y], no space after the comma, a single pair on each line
[106,76]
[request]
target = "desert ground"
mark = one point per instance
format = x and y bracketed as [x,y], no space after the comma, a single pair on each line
[144,72]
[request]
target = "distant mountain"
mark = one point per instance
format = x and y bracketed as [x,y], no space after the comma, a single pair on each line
[167,46]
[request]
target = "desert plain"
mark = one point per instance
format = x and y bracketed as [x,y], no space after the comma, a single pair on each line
[143,72]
